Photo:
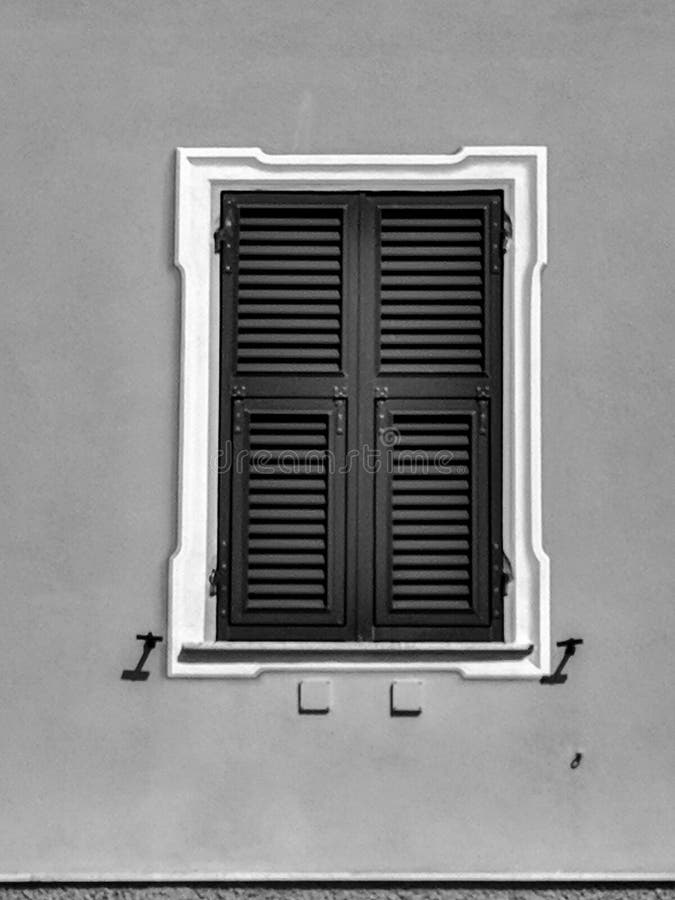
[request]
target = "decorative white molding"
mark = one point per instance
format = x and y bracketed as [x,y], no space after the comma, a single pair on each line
[200,175]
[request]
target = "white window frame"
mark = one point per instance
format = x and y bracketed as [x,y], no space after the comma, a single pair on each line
[201,174]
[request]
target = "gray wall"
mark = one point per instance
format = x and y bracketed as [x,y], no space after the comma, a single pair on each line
[104,777]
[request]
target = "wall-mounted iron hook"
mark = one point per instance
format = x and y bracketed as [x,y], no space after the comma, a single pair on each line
[150,641]
[558,677]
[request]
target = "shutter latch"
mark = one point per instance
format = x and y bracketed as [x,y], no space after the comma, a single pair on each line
[224,237]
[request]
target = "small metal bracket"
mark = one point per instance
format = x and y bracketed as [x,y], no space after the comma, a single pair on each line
[150,641]
[339,392]
[238,415]
[483,414]
[381,393]
[238,390]
[381,419]
[340,415]
[483,392]
[558,677]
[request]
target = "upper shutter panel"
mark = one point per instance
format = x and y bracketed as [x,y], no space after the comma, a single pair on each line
[289,288]
[432,281]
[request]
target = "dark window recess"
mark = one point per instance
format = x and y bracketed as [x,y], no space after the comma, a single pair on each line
[360,417]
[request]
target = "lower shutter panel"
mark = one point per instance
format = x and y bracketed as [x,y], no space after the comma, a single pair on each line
[432,521]
[288,515]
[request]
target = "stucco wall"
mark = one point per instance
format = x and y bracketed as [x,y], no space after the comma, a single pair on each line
[327,892]
[100,777]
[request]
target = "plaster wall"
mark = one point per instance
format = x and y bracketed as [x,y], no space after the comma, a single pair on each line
[105,778]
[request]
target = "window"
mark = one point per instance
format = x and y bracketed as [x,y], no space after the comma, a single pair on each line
[360,414]
[360,417]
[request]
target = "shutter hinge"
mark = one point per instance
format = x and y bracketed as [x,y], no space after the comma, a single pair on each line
[224,237]
[507,232]
[507,574]
[218,579]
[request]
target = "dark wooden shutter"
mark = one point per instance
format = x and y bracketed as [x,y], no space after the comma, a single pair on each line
[431,393]
[365,322]
[288,298]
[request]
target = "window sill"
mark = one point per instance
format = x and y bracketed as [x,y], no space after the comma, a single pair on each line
[245,659]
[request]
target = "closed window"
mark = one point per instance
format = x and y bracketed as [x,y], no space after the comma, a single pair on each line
[360,417]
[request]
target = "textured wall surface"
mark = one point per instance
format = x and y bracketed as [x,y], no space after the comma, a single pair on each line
[110,779]
[326,892]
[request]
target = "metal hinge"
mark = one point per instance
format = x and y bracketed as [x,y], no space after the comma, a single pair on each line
[507,574]
[217,579]
[224,237]
[507,232]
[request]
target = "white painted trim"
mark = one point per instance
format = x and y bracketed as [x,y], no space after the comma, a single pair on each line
[200,175]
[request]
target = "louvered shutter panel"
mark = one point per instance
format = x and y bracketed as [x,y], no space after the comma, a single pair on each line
[430,514]
[431,294]
[433,314]
[288,269]
[289,505]
[290,301]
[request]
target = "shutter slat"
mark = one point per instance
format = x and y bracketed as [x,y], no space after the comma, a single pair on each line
[405,281]
[422,589]
[428,254]
[420,576]
[414,353]
[434,325]
[397,264]
[294,278]
[250,251]
[292,338]
[391,236]
[433,339]
[254,266]
[422,545]
[305,326]
[428,296]
[257,560]
[269,235]
[265,295]
[396,220]
[429,559]
[431,369]
[252,220]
